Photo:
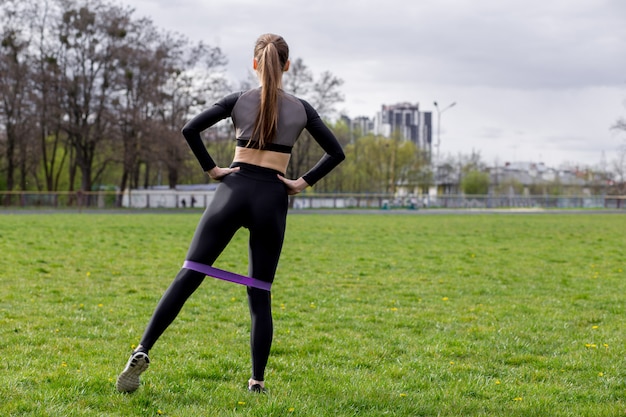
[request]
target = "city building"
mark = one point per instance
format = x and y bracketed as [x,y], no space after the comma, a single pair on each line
[405,118]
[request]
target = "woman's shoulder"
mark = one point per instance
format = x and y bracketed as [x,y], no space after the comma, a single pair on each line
[304,105]
[298,101]
[229,100]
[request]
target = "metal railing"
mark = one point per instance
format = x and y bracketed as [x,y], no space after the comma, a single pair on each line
[172,199]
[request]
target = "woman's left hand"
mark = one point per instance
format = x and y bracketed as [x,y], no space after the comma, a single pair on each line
[294,186]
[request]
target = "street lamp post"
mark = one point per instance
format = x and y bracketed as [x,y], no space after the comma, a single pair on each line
[439,112]
[435,163]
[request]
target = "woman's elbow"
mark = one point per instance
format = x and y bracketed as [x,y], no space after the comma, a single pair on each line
[186,130]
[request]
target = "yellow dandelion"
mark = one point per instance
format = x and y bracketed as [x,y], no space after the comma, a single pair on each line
[451,363]
[517,399]
[595,327]
[312,305]
[100,305]
[233,299]
[394,309]
[606,345]
[497,382]
[159,412]
[403,395]
[291,409]
[88,273]
[241,402]
[444,298]
[63,364]
[600,373]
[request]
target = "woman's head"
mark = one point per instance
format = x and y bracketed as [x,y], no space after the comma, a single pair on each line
[271,58]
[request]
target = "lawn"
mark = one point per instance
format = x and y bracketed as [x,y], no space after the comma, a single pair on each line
[375,315]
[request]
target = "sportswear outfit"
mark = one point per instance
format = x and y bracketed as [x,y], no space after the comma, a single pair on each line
[252,197]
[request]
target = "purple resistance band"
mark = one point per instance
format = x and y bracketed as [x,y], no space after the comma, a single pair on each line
[227,276]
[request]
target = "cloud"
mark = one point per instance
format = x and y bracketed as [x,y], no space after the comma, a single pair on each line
[512,44]
[533,44]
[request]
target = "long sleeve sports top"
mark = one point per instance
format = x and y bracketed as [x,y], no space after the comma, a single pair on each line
[294,115]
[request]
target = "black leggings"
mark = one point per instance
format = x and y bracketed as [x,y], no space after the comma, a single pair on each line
[256,199]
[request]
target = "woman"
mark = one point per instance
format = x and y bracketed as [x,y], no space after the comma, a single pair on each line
[253,193]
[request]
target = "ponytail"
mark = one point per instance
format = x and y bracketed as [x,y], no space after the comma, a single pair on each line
[271,53]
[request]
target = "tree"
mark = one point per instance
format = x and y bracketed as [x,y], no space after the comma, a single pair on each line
[194,81]
[619,169]
[376,164]
[15,109]
[620,124]
[91,38]
[299,79]
[475,183]
[145,65]
[52,143]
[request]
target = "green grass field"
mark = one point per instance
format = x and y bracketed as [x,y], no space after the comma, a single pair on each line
[375,315]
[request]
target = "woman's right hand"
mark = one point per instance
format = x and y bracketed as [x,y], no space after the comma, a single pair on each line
[217,173]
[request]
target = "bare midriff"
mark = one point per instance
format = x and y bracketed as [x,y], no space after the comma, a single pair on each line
[277,161]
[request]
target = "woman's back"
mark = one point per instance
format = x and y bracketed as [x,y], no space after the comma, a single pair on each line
[292,118]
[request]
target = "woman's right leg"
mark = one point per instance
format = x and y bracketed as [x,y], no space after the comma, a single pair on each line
[185,283]
[218,224]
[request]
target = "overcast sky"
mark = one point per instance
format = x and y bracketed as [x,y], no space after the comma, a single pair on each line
[534,80]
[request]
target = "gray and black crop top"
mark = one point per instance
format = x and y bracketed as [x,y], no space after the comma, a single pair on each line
[294,115]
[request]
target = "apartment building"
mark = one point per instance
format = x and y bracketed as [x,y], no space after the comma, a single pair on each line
[406,118]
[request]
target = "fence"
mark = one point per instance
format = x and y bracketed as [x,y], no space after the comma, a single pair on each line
[170,199]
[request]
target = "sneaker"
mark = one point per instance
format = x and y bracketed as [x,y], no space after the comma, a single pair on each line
[258,388]
[128,381]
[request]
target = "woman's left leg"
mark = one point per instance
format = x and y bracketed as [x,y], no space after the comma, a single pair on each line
[261,331]
[267,232]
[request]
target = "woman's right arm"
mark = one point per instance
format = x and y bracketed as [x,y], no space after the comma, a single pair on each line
[191,131]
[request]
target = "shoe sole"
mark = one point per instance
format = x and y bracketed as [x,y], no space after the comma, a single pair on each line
[128,381]
[257,388]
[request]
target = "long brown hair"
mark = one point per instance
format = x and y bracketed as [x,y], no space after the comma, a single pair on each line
[271,53]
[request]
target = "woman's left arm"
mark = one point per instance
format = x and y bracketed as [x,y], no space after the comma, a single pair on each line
[294,186]
[326,139]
